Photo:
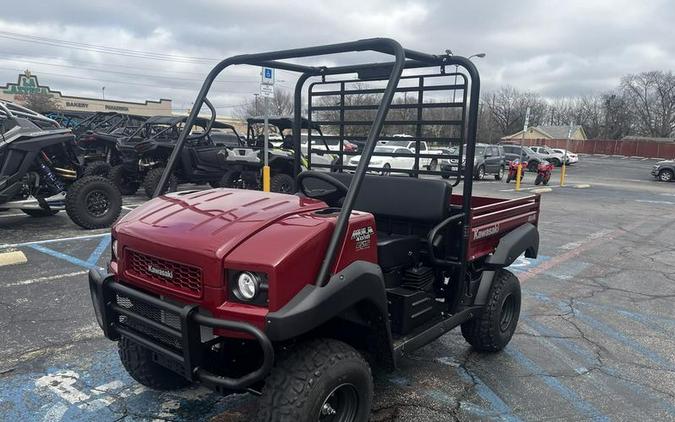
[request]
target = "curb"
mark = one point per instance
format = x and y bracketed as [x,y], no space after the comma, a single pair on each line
[12,258]
[582,186]
[541,190]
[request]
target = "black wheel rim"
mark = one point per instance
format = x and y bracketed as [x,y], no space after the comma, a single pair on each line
[341,405]
[97,203]
[508,313]
[285,188]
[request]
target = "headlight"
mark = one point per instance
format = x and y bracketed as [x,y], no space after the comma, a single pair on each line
[248,286]
[113,247]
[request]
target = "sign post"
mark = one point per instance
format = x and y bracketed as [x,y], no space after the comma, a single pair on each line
[266,91]
[519,171]
[563,171]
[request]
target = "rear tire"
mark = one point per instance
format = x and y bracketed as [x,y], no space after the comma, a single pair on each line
[508,178]
[40,212]
[538,179]
[127,185]
[493,329]
[315,379]
[152,180]
[139,364]
[282,183]
[233,179]
[93,202]
[97,168]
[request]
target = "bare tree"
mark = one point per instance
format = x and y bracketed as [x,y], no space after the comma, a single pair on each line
[508,107]
[280,105]
[39,102]
[651,98]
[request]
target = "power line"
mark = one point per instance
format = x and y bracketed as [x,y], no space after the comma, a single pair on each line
[131,73]
[102,49]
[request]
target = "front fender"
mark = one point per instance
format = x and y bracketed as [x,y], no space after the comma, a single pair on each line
[313,306]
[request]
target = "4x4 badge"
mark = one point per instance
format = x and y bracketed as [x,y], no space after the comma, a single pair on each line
[160,272]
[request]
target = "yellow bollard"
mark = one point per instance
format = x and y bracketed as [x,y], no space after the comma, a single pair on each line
[562,175]
[266,178]
[519,171]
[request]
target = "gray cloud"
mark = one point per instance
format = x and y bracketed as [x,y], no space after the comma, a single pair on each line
[557,48]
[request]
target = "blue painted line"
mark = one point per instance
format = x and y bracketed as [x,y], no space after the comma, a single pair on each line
[68,258]
[486,393]
[102,246]
[565,392]
[610,332]
[589,358]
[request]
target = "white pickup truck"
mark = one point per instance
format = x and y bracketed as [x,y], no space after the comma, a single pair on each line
[407,141]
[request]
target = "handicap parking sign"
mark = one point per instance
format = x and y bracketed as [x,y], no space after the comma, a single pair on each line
[267,76]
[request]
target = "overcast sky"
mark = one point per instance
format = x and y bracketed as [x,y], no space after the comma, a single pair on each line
[557,48]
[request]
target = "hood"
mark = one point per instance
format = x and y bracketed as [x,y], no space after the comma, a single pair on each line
[206,224]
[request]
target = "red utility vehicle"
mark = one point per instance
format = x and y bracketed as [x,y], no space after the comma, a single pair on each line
[296,297]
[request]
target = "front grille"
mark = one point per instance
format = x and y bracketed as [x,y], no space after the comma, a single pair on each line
[185,278]
[151,312]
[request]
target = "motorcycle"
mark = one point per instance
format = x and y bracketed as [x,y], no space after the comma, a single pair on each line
[544,170]
[513,171]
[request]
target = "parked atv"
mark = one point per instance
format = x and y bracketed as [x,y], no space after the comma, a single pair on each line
[41,175]
[544,170]
[296,297]
[244,165]
[97,139]
[145,152]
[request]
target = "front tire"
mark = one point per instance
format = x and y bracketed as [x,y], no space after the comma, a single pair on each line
[152,180]
[666,175]
[480,173]
[538,179]
[322,379]
[493,329]
[282,183]
[139,364]
[93,202]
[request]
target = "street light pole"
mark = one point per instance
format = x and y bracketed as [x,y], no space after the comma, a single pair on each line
[103,92]
[454,91]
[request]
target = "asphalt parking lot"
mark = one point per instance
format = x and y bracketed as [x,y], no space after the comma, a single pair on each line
[596,339]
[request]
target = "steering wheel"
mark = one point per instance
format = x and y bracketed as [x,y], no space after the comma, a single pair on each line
[331,197]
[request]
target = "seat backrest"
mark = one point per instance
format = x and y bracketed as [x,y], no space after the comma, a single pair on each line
[405,198]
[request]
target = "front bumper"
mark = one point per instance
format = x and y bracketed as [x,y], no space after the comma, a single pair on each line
[184,331]
[655,171]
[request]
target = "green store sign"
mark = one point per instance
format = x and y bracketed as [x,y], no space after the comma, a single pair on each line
[27,84]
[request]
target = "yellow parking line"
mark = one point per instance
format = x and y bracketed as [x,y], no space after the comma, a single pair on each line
[12,258]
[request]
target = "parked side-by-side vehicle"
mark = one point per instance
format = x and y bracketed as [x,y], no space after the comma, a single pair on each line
[299,297]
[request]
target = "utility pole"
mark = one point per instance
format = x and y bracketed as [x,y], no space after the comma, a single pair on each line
[520,170]
[103,92]
[257,113]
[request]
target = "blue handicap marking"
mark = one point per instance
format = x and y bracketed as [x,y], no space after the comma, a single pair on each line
[268,73]
[522,264]
[91,261]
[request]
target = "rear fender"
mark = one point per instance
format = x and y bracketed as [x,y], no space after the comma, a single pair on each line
[523,239]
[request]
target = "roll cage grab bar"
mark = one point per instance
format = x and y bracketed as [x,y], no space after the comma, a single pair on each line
[403,59]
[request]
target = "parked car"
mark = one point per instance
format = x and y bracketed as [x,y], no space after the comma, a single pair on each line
[489,159]
[553,157]
[386,163]
[664,170]
[514,152]
[328,144]
[572,158]
[408,141]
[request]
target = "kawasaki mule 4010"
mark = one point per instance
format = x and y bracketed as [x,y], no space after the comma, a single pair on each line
[297,297]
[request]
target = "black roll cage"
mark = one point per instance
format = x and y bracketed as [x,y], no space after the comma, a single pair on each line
[403,59]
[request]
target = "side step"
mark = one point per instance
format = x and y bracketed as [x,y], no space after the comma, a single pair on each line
[427,335]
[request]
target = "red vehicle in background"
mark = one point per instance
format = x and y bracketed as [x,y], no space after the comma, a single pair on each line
[295,297]
[544,170]
[513,171]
